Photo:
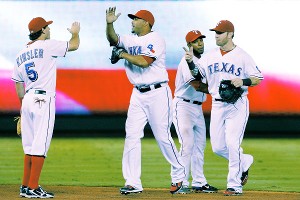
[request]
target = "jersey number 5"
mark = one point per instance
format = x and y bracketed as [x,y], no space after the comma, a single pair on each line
[31,73]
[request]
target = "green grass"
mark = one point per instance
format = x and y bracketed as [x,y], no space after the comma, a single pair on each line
[97,162]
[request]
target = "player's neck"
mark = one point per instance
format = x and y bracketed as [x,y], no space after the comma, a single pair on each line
[42,37]
[198,55]
[228,47]
[143,31]
[225,52]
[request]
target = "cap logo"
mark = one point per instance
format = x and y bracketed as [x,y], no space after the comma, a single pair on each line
[196,32]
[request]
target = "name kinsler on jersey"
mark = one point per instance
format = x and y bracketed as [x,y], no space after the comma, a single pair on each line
[34,53]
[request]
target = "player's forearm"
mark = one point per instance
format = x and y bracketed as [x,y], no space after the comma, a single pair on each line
[20,91]
[111,35]
[199,86]
[254,81]
[194,70]
[203,88]
[74,42]
[136,60]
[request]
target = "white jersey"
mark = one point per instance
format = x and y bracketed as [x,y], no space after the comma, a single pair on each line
[150,102]
[189,123]
[37,57]
[183,89]
[151,45]
[235,64]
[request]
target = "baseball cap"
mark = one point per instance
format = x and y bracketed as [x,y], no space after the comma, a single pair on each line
[223,26]
[36,24]
[143,14]
[193,35]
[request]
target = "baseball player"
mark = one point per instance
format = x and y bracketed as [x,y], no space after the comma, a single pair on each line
[188,117]
[228,121]
[35,78]
[151,99]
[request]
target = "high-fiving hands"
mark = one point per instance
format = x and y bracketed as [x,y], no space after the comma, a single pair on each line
[111,16]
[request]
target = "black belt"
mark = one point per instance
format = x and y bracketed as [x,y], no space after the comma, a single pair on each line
[39,92]
[193,102]
[147,88]
[222,100]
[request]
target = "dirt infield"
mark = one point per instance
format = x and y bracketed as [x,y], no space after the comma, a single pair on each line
[10,192]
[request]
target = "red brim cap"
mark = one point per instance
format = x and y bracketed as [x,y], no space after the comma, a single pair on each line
[223,26]
[193,35]
[36,24]
[143,14]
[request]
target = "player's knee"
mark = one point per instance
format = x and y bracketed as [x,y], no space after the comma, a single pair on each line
[218,150]
[186,150]
[232,145]
[132,135]
[185,130]
[133,132]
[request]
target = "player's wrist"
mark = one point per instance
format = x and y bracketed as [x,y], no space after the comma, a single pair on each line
[121,55]
[191,65]
[195,72]
[247,82]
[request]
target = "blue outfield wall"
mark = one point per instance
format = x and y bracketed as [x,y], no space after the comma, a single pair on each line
[113,125]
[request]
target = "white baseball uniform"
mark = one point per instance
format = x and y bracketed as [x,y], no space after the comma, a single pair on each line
[228,121]
[36,67]
[151,101]
[189,123]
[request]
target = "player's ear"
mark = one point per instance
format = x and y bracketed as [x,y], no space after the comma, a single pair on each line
[146,23]
[230,34]
[44,28]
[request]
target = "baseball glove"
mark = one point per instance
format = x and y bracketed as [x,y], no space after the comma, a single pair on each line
[18,119]
[115,54]
[228,92]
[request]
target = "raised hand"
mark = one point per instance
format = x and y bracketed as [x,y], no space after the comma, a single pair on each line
[111,16]
[75,28]
[189,54]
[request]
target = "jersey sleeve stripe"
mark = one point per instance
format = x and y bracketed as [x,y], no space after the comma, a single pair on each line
[148,55]
[18,81]
[203,75]
[188,81]
[66,49]
[259,77]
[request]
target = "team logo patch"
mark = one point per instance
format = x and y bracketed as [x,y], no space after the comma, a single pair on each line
[150,46]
